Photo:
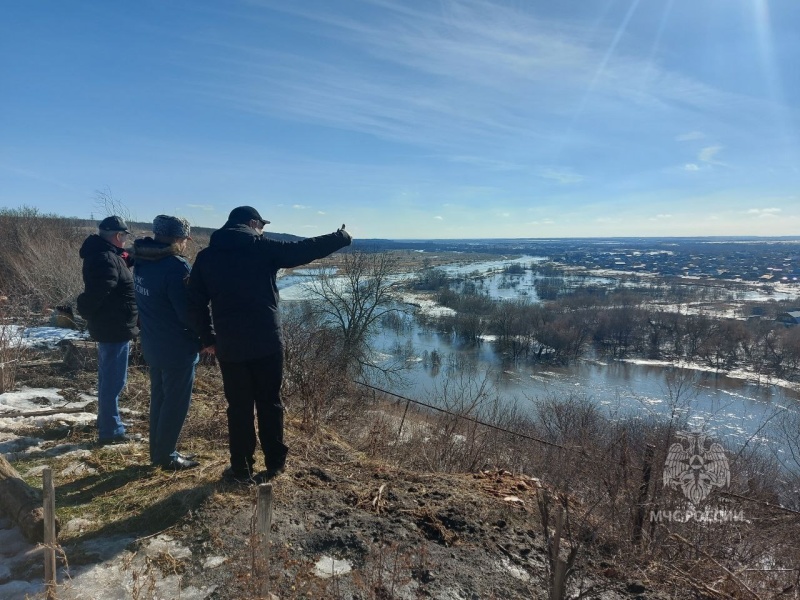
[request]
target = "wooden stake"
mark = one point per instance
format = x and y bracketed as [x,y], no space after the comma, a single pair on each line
[402,422]
[49,494]
[644,489]
[264,524]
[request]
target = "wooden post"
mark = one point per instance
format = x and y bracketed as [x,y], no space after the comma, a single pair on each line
[49,494]
[402,422]
[264,524]
[644,489]
[559,565]
[80,355]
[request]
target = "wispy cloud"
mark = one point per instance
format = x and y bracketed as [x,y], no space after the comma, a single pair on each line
[661,217]
[708,155]
[690,136]
[764,212]
[487,163]
[452,77]
[299,206]
[691,167]
[203,207]
[439,218]
[561,175]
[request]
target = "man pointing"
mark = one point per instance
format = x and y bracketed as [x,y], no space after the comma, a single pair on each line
[236,275]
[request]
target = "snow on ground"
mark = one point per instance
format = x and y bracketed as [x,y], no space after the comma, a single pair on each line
[122,573]
[20,412]
[16,336]
[425,305]
[734,374]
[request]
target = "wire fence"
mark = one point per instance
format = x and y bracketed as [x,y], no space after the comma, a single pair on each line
[585,455]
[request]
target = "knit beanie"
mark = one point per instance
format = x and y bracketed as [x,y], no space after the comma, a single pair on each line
[175,227]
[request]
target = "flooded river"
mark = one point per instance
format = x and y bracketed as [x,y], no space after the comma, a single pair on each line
[733,408]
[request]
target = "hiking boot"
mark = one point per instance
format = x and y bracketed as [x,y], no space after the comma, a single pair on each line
[122,438]
[243,476]
[273,471]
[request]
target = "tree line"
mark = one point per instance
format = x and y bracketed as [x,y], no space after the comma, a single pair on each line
[647,321]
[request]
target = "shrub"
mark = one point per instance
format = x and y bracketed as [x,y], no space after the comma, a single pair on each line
[39,262]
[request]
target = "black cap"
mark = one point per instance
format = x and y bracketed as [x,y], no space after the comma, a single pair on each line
[113,223]
[245,214]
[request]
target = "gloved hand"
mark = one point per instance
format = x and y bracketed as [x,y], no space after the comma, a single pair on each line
[346,234]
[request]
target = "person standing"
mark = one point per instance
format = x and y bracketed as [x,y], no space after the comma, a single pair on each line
[169,345]
[236,274]
[109,307]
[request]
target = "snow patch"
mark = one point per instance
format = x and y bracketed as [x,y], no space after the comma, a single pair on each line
[328,567]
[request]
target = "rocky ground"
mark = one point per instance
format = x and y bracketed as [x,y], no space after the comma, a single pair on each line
[344,525]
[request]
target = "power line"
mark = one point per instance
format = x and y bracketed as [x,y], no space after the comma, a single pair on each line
[579,449]
[474,420]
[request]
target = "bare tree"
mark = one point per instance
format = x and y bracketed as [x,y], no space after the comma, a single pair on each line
[354,299]
[108,205]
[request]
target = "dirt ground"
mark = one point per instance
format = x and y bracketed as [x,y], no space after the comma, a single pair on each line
[386,531]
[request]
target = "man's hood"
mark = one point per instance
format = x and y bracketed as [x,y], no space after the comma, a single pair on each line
[234,236]
[94,244]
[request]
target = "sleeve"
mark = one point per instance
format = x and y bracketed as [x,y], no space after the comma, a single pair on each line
[177,291]
[100,278]
[293,254]
[197,306]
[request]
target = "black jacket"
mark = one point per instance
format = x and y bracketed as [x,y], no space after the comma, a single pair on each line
[108,302]
[236,274]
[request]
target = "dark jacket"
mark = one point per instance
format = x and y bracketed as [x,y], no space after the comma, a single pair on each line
[107,302]
[160,278]
[236,274]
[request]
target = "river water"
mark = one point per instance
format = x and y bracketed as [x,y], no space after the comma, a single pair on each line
[730,408]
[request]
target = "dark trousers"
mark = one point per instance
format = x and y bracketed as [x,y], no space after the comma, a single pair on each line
[249,385]
[170,396]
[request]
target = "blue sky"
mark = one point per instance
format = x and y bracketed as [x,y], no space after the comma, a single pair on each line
[409,118]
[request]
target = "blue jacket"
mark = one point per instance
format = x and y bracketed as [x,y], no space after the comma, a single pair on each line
[160,277]
[236,275]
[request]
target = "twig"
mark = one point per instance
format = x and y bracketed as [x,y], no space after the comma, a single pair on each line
[41,413]
[699,584]
[730,573]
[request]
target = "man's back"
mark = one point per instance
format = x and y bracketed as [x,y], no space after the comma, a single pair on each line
[107,302]
[237,274]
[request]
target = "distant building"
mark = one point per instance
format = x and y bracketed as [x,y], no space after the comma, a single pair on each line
[789,318]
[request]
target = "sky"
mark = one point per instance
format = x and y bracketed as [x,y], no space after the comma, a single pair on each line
[409,118]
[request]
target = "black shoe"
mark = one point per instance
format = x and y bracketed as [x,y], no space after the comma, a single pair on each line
[273,472]
[122,438]
[244,476]
[179,463]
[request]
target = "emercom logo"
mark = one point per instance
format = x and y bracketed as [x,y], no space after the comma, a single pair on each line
[695,469]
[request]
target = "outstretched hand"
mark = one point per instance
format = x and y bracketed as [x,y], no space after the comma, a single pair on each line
[345,232]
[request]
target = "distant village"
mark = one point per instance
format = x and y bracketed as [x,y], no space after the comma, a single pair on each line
[768,261]
[765,262]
